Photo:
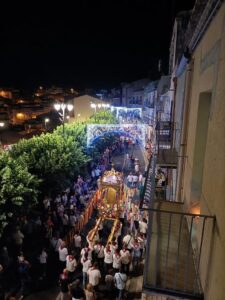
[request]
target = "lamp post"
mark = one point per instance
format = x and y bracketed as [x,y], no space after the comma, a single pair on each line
[47,120]
[2,124]
[61,110]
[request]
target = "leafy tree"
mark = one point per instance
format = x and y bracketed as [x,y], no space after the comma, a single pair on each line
[76,130]
[18,189]
[103,117]
[52,158]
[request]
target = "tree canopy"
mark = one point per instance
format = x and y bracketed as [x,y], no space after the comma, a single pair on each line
[18,188]
[44,164]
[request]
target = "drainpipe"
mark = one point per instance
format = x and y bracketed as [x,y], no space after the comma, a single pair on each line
[173,112]
[184,133]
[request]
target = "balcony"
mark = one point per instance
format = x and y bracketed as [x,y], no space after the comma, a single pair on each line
[175,245]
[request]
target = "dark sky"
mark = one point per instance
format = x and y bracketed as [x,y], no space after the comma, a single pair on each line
[94,44]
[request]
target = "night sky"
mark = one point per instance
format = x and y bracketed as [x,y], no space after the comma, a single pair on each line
[92,44]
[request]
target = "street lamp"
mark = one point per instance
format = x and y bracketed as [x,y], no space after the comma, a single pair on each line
[2,124]
[47,120]
[99,105]
[93,105]
[62,107]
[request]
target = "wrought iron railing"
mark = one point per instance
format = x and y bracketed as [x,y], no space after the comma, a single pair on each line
[174,252]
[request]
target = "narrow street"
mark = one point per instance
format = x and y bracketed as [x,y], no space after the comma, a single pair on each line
[134,282]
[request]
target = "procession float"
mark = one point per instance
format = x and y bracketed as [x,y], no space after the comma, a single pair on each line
[110,204]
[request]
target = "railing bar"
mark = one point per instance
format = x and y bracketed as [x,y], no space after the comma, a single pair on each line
[167,251]
[178,252]
[199,256]
[148,246]
[157,249]
[200,250]
[189,248]
[179,213]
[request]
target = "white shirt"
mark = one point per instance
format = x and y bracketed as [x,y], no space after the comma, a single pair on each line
[141,242]
[94,276]
[116,261]
[63,254]
[99,250]
[130,178]
[120,280]
[135,178]
[125,257]
[86,264]
[108,257]
[56,243]
[77,241]
[143,227]
[128,240]
[73,220]
[84,250]
[71,264]
[43,257]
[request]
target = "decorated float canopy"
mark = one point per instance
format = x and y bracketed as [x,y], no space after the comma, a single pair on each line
[111,191]
[110,203]
[134,131]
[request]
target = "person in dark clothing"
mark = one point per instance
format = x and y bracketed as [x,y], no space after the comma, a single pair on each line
[64,282]
[76,291]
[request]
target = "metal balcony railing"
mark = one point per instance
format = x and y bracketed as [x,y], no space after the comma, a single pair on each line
[175,244]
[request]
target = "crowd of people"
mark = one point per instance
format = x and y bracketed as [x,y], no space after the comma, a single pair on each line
[106,266]
[35,252]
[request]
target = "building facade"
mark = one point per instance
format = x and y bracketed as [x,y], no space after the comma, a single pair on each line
[133,93]
[203,172]
[186,251]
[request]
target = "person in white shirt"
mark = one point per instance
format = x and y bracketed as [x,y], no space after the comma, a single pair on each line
[131,220]
[120,279]
[143,226]
[71,265]
[116,260]
[141,240]
[125,258]
[113,245]
[135,180]
[140,178]
[130,180]
[86,265]
[88,250]
[63,252]
[72,220]
[77,241]
[56,243]
[108,259]
[94,276]
[99,254]
[43,261]
[128,240]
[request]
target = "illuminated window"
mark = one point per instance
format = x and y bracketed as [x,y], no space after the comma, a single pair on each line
[20,116]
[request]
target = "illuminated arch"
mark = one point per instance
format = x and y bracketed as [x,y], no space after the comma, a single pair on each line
[136,131]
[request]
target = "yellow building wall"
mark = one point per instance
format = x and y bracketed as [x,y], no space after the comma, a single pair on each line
[209,76]
[82,107]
